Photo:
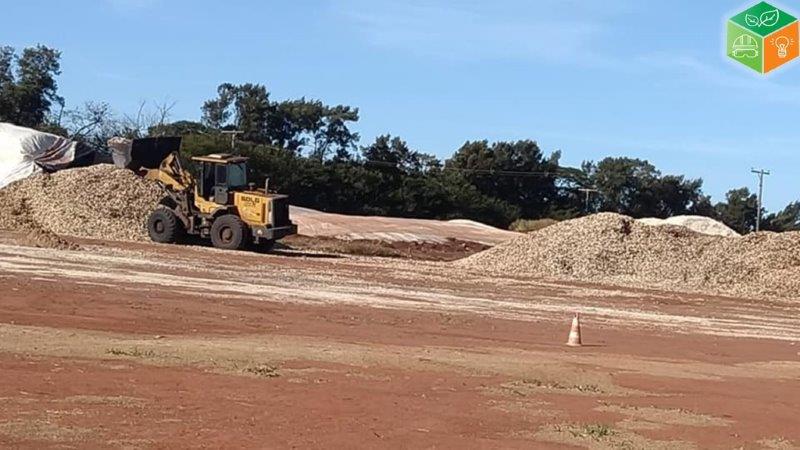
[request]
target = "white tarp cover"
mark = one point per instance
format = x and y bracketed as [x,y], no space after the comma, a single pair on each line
[24,151]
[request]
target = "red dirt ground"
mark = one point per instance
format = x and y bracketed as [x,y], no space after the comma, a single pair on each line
[124,365]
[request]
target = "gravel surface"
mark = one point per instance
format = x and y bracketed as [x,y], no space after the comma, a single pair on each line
[616,249]
[101,201]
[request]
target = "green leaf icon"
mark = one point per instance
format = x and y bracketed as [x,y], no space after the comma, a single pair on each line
[770,18]
[752,21]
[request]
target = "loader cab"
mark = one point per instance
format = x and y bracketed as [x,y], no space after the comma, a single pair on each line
[220,174]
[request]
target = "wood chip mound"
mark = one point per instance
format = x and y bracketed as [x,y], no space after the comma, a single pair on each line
[101,202]
[615,249]
[699,224]
[46,239]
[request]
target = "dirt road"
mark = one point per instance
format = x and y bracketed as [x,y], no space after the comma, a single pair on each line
[146,346]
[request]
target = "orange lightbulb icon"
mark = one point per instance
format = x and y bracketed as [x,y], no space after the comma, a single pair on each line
[782,42]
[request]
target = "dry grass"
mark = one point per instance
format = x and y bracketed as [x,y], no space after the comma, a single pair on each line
[529,386]
[262,370]
[662,416]
[601,436]
[131,352]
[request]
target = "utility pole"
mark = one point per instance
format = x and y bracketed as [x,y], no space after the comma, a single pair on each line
[760,173]
[588,192]
[233,134]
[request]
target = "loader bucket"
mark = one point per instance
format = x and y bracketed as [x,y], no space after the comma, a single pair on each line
[149,152]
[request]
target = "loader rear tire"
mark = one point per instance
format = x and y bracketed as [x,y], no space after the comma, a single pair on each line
[230,233]
[164,226]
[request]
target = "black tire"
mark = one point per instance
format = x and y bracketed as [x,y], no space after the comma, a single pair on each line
[266,246]
[229,232]
[164,226]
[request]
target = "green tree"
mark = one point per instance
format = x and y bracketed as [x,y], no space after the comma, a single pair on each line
[738,211]
[179,128]
[217,112]
[675,195]
[297,125]
[636,188]
[788,219]
[625,185]
[518,173]
[393,164]
[332,134]
[394,155]
[28,88]
[8,106]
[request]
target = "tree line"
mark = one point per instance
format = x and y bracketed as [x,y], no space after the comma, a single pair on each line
[309,150]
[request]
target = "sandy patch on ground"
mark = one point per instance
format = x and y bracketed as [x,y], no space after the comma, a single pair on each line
[602,437]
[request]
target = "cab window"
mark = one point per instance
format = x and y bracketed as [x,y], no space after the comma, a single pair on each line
[207,179]
[222,175]
[237,175]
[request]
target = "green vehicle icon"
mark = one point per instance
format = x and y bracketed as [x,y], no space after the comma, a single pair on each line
[745,46]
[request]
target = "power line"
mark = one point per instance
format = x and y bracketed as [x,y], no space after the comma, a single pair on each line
[760,173]
[554,173]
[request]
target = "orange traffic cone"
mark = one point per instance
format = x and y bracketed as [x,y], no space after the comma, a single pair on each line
[574,339]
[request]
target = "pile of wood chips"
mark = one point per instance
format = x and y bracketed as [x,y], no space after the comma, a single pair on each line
[615,249]
[102,202]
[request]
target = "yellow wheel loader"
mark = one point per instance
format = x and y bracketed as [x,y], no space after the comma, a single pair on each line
[219,204]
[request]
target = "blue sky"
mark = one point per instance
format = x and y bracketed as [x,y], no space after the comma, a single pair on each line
[591,78]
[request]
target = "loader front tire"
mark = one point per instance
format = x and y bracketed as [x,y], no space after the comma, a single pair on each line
[164,226]
[229,232]
[266,246]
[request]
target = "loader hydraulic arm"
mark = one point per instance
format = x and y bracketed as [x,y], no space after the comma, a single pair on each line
[171,174]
